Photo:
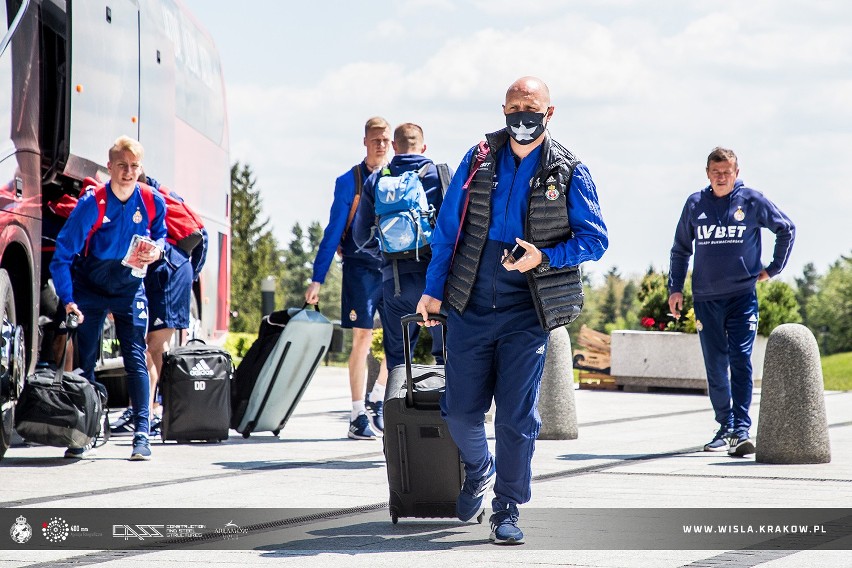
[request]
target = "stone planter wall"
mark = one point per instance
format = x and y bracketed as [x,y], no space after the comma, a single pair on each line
[667,359]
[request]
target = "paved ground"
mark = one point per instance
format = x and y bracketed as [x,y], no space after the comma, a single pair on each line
[315,498]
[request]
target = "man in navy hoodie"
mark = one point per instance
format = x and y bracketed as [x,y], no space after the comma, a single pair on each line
[529,190]
[402,280]
[724,221]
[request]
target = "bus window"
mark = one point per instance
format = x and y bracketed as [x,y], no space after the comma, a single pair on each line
[198,75]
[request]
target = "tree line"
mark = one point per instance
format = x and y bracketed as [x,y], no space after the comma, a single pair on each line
[822,302]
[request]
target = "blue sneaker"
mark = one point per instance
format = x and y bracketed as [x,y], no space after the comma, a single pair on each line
[741,444]
[123,425]
[359,429]
[85,452]
[504,524]
[376,415]
[719,443]
[469,502]
[141,448]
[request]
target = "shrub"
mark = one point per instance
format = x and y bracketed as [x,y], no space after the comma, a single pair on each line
[422,349]
[777,304]
[654,298]
[830,309]
[238,344]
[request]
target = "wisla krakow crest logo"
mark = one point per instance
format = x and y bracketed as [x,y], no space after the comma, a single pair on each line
[21,531]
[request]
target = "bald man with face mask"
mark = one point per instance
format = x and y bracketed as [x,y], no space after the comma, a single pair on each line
[519,217]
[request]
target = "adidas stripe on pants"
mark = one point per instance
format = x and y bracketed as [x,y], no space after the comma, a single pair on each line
[728,329]
[130,315]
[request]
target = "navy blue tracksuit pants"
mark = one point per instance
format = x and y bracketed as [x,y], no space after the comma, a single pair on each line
[130,314]
[495,352]
[394,308]
[727,332]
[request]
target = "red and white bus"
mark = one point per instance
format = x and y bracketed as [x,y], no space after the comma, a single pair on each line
[74,76]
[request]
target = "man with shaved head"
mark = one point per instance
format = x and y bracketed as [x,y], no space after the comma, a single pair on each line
[520,190]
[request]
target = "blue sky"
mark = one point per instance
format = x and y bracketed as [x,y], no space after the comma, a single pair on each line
[643,91]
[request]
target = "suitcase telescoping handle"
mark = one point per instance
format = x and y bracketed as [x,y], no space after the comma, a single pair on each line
[406,348]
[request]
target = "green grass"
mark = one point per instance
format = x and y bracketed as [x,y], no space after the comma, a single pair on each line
[837,371]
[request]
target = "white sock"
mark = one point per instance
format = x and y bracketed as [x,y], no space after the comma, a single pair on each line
[378,393]
[358,408]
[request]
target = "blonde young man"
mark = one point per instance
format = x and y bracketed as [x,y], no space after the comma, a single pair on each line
[100,230]
[362,281]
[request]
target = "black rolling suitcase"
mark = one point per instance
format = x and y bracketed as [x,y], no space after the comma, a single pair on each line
[425,472]
[196,388]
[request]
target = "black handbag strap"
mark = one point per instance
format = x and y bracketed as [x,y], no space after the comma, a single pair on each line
[71,323]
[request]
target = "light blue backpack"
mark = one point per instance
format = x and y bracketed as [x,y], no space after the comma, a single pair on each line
[404,218]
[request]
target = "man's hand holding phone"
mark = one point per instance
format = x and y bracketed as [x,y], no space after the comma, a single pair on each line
[523,257]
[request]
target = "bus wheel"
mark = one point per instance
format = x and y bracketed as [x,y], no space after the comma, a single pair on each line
[12,361]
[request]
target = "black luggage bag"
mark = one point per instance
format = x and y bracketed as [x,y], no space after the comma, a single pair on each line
[62,409]
[196,389]
[425,471]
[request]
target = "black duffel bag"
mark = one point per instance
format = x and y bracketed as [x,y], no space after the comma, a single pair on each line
[58,408]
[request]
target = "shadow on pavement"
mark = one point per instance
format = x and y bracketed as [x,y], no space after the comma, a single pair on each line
[23,461]
[381,537]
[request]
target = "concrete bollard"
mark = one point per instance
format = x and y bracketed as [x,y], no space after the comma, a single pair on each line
[792,425]
[556,399]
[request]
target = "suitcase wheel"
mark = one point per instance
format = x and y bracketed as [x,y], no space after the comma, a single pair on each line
[394,517]
[480,517]
[249,429]
[276,432]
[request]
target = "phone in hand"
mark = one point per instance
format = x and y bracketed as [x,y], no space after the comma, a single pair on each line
[515,254]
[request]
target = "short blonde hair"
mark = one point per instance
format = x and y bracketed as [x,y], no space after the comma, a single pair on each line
[375,122]
[126,144]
